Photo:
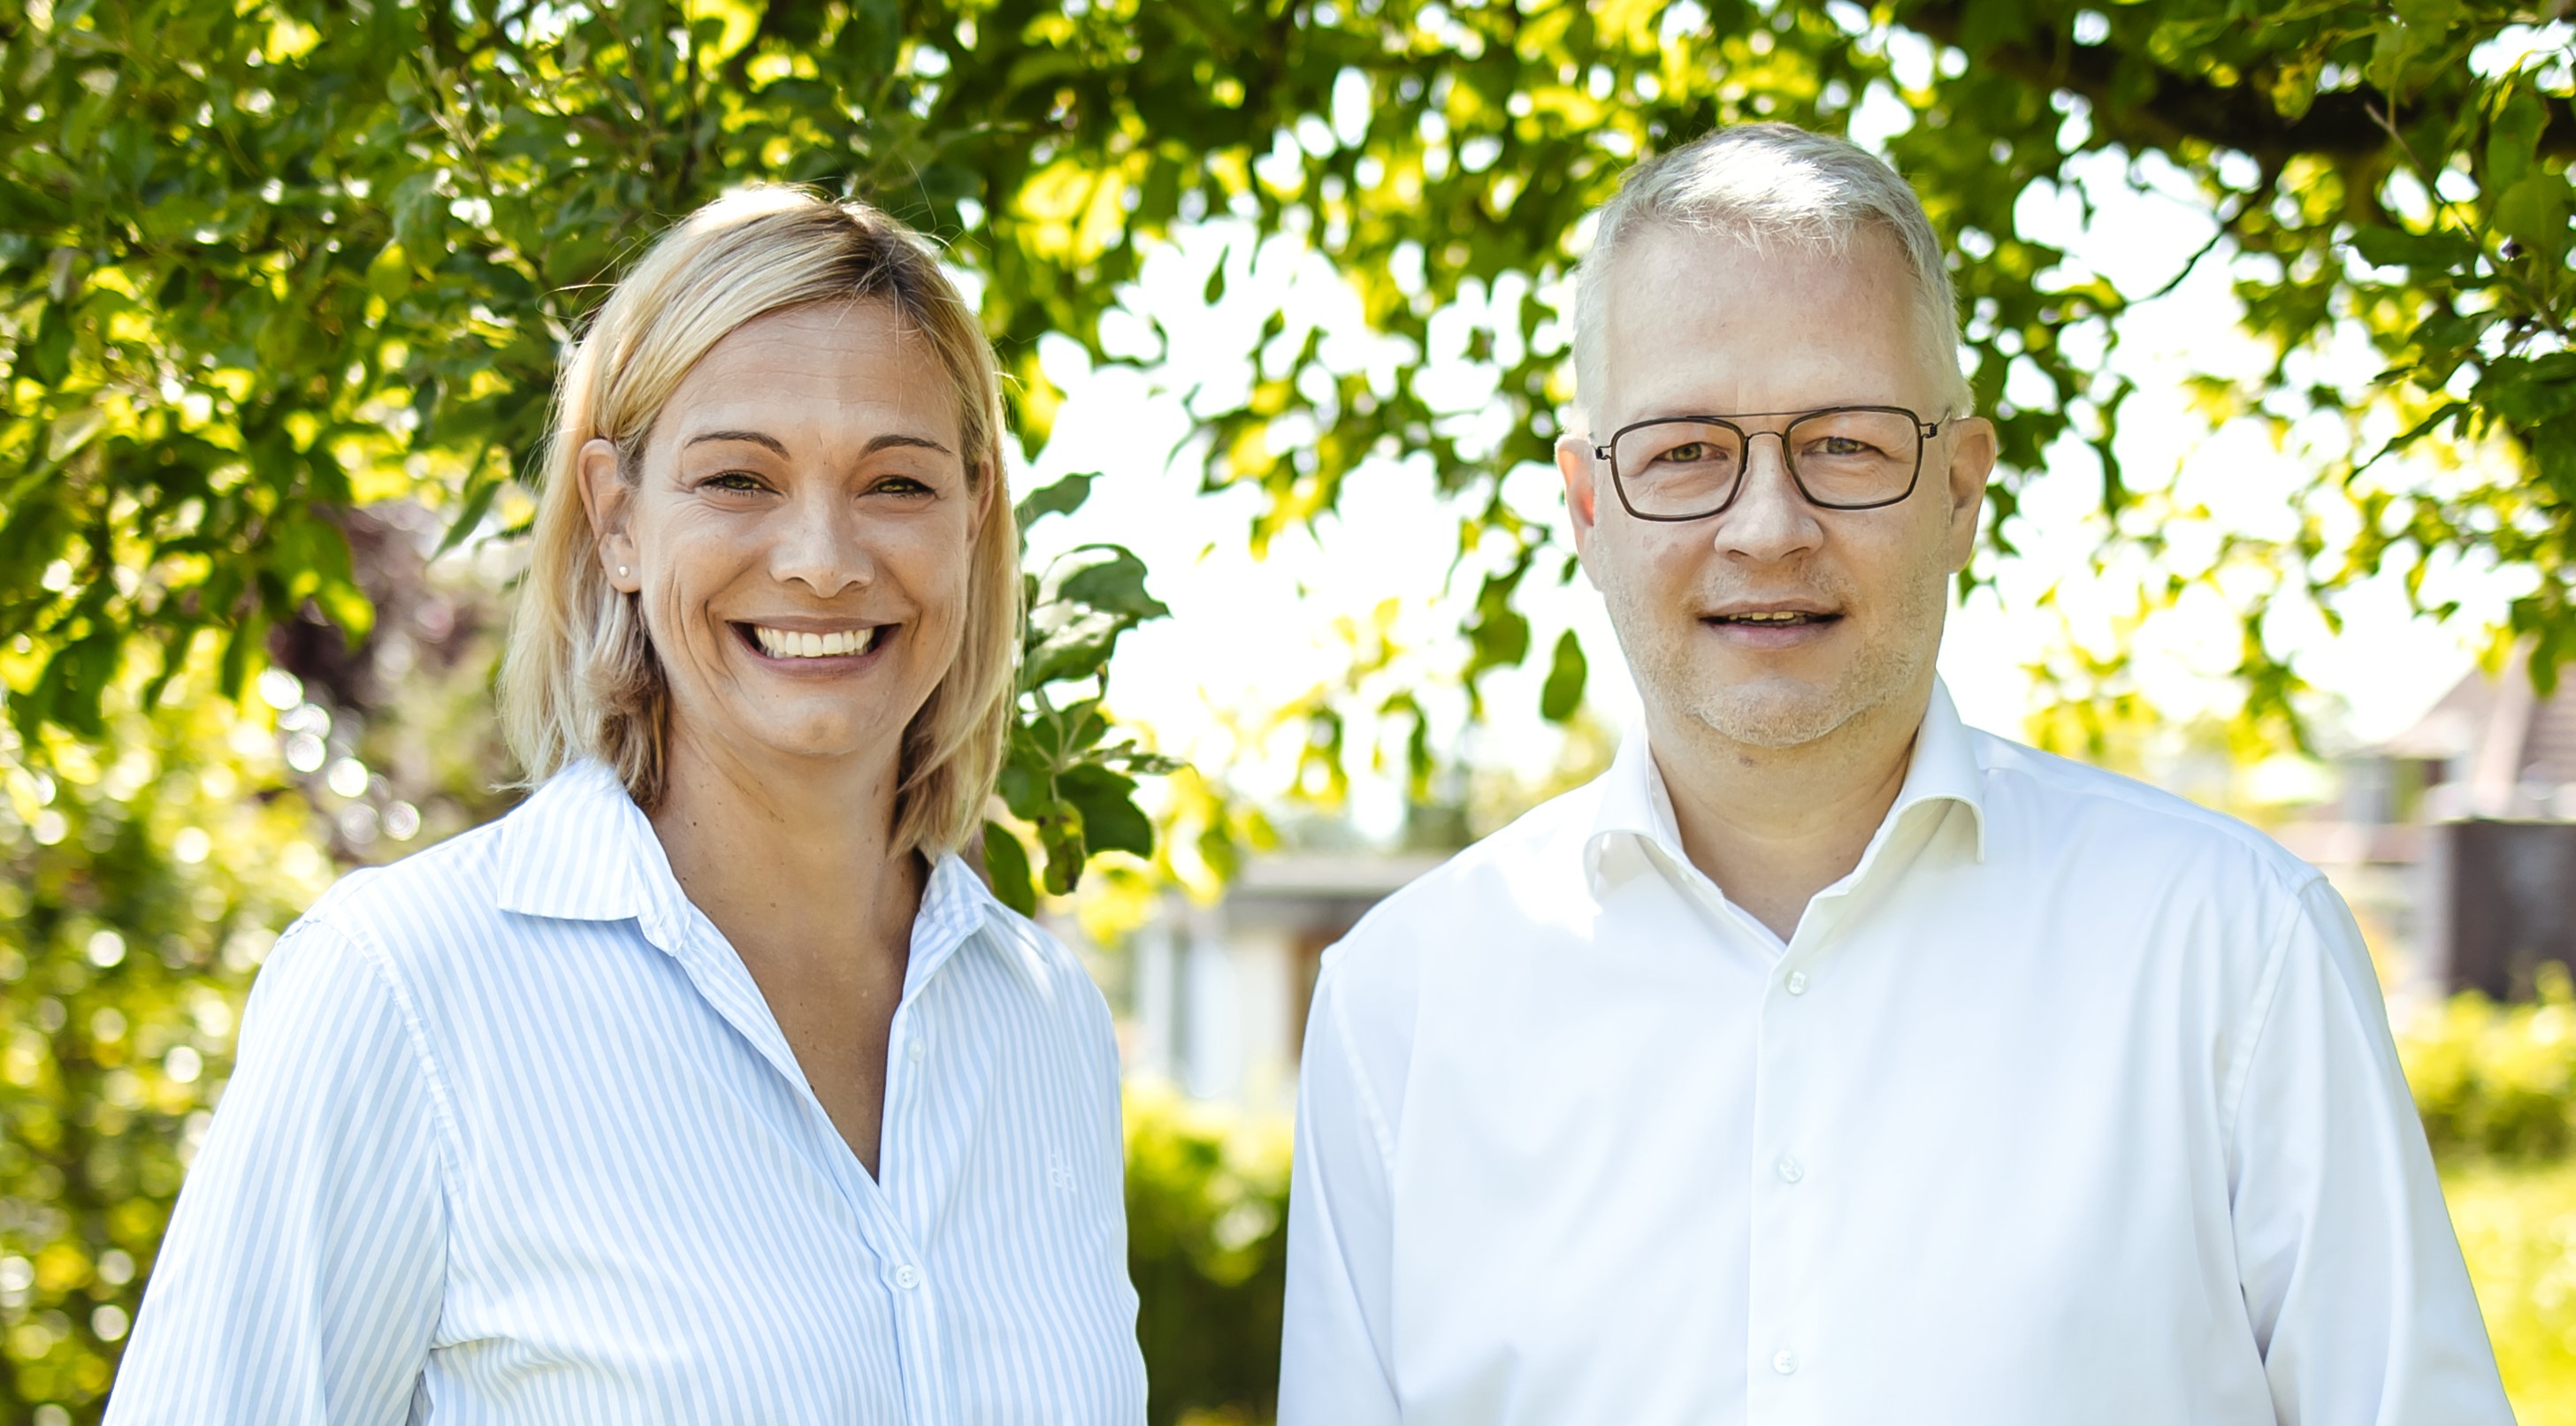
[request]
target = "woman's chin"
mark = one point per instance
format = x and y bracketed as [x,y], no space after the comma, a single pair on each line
[831,737]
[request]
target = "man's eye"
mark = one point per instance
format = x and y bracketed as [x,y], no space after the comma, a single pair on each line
[1843,446]
[1688,453]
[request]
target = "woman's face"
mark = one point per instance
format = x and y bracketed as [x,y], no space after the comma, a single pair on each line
[799,535]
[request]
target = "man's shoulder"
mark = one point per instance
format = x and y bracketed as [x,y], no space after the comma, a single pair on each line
[1529,873]
[2057,807]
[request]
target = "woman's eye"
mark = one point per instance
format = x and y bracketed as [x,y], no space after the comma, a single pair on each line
[740,480]
[900,485]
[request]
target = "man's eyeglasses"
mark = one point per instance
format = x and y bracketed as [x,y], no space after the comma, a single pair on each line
[1840,458]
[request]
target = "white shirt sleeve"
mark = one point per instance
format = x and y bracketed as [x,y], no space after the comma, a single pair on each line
[2353,1280]
[1336,1349]
[300,1280]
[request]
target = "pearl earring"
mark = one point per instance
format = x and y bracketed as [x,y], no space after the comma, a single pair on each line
[621,571]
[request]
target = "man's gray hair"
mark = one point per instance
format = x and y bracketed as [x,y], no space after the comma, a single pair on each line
[1761,184]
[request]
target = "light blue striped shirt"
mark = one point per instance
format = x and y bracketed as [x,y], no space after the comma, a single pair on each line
[513,1137]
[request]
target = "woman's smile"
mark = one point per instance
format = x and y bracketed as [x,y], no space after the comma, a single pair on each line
[843,647]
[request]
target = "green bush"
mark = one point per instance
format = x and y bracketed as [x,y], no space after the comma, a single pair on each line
[2496,1081]
[1207,1242]
[2517,1227]
[136,897]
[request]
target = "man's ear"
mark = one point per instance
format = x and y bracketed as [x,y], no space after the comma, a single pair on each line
[606,498]
[1972,464]
[1582,490]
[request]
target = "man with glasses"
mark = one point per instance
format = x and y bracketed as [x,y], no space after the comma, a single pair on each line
[1828,1061]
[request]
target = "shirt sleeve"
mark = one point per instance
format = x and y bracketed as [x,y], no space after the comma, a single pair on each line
[1336,1356]
[2353,1280]
[300,1281]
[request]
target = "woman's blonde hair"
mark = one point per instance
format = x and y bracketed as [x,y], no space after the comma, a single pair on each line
[580,678]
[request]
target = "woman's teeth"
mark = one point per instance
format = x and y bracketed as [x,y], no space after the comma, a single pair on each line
[790,644]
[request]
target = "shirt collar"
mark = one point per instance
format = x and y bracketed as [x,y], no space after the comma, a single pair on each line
[1637,808]
[579,849]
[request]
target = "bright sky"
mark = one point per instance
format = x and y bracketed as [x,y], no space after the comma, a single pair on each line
[1248,637]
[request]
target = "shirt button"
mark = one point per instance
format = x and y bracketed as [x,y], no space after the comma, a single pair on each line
[1790,1171]
[907,1277]
[1797,982]
[915,1050]
[1784,1362]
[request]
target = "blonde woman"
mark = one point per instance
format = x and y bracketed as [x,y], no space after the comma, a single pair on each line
[710,1085]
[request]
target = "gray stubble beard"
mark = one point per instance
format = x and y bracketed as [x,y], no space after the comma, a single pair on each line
[1666,672]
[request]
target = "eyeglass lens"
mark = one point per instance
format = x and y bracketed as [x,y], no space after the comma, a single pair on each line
[1841,458]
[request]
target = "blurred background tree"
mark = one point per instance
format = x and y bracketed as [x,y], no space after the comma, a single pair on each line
[283,283]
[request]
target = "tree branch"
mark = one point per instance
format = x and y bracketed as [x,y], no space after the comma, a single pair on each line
[2340,124]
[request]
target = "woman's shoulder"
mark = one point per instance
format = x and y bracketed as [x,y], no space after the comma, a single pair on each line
[400,902]
[1050,969]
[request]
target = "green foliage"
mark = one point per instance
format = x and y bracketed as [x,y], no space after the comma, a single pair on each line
[2498,1080]
[263,264]
[136,898]
[1064,775]
[1207,1205]
[2517,1228]
[263,261]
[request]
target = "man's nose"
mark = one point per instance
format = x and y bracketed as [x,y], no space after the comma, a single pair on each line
[822,544]
[1770,519]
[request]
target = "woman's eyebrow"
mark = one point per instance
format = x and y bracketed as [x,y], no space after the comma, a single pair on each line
[749,437]
[874,445]
[879,443]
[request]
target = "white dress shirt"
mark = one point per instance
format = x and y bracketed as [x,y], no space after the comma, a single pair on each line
[2072,1103]
[513,1138]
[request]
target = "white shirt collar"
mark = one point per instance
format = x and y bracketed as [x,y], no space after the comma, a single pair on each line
[1637,807]
[579,849]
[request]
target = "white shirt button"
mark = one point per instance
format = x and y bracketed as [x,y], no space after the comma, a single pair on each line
[915,1050]
[1789,1169]
[1797,982]
[1784,1362]
[907,1277]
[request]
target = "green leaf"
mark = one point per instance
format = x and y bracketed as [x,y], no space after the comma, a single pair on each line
[2533,212]
[2441,249]
[1006,864]
[469,515]
[1114,583]
[1563,691]
[1061,498]
[2513,139]
[1111,821]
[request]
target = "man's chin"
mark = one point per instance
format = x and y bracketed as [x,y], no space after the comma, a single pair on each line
[1779,717]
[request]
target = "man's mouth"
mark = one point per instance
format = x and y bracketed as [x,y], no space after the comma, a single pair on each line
[808,644]
[1772,618]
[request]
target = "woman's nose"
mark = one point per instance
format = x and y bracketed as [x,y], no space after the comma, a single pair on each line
[822,544]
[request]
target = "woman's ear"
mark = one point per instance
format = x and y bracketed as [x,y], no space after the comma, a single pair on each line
[606,498]
[989,493]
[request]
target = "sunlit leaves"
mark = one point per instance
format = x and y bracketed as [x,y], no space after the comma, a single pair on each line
[1065,776]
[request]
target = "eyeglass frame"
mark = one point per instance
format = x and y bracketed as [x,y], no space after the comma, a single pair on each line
[1925,431]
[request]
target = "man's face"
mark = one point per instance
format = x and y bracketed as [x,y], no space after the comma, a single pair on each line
[1702,325]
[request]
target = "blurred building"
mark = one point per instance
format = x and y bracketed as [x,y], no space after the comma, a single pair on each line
[1217,994]
[2455,841]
